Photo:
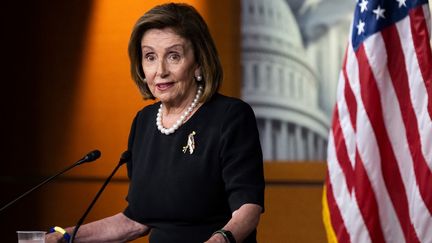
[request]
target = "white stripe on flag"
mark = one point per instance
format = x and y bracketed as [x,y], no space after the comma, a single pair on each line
[345,121]
[347,205]
[427,14]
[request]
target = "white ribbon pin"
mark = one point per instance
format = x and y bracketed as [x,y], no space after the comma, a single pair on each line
[190,143]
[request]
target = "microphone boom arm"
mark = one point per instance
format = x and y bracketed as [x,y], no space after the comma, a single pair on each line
[36,187]
[124,158]
[88,158]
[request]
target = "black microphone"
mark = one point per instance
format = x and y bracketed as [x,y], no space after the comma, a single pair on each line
[92,156]
[125,157]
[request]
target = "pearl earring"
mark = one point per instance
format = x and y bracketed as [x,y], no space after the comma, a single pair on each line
[199,78]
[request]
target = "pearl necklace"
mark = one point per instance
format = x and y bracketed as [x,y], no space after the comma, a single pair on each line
[179,122]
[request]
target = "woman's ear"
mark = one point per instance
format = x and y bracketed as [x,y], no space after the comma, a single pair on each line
[198,75]
[197,71]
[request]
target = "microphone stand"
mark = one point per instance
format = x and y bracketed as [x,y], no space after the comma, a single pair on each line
[89,157]
[124,158]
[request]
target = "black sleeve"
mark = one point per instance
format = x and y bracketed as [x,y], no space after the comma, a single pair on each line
[129,163]
[130,146]
[241,157]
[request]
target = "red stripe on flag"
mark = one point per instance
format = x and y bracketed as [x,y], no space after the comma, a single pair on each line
[399,76]
[335,215]
[349,94]
[367,202]
[341,151]
[419,31]
[390,170]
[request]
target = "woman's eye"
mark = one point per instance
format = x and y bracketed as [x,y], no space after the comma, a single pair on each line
[174,57]
[149,57]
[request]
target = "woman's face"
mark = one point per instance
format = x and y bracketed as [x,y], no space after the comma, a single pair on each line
[169,66]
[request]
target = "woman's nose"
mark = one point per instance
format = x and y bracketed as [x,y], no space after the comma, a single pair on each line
[163,69]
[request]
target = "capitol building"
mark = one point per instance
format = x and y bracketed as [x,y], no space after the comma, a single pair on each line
[291,60]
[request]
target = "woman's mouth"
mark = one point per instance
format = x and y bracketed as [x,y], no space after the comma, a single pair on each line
[164,86]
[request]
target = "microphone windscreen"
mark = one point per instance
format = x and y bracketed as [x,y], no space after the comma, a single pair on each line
[93,155]
[125,156]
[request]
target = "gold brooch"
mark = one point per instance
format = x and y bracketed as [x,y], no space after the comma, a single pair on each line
[190,143]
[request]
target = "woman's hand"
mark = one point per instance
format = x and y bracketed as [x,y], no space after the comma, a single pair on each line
[244,220]
[117,228]
[54,238]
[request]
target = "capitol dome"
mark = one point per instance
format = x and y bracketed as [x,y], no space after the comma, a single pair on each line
[279,84]
[271,25]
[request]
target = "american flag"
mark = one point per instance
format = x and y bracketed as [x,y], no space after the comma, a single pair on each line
[379,181]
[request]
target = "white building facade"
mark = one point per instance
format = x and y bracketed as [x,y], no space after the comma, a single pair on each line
[291,88]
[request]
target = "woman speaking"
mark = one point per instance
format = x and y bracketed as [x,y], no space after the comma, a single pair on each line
[196,173]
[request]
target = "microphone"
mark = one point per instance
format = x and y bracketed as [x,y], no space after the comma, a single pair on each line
[125,157]
[92,156]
